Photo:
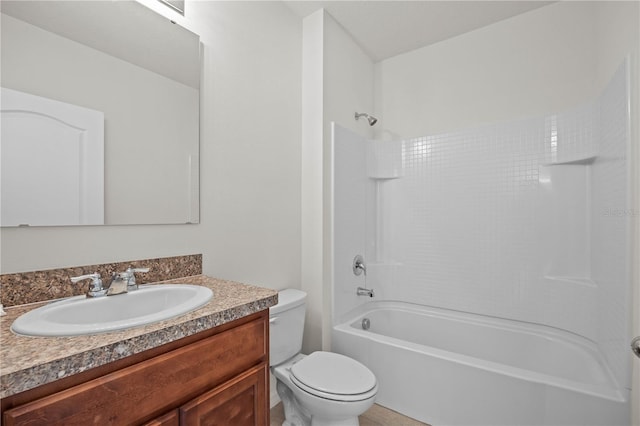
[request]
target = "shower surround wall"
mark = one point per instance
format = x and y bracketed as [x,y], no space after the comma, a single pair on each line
[526,220]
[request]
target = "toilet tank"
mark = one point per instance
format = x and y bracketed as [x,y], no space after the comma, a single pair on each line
[286,325]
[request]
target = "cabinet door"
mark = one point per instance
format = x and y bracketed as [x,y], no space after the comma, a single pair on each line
[241,401]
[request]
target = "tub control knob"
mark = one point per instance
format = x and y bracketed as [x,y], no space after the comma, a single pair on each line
[635,346]
[359,266]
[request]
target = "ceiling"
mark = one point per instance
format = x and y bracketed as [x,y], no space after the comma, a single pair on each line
[388,28]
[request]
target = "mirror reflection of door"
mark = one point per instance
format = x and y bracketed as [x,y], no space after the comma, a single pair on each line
[52,157]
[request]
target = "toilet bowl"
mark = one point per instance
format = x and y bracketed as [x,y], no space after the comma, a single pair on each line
[320,389]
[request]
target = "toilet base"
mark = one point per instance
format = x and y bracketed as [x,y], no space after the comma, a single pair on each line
[304,409]
[294,414]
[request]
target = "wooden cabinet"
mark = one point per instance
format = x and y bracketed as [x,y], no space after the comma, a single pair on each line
[236,403]
[218,377]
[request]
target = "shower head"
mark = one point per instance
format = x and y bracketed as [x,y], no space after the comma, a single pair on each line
[370,118]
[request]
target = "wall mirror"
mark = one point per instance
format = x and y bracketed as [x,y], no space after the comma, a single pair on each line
[134,66]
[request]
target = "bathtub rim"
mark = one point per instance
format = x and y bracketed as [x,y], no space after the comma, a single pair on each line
[610,391]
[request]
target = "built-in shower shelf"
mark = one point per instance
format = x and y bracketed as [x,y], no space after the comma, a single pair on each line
[584,281]
[383,178]
[579,161]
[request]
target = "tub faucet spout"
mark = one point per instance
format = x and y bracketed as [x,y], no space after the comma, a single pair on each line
[365,292]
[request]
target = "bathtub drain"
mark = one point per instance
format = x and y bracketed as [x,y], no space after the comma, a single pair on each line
[366,323]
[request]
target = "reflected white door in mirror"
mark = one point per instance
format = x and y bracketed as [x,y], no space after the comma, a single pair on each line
[52,162]
[138,68]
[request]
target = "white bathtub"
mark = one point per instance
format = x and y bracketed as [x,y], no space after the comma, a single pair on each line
[452,368]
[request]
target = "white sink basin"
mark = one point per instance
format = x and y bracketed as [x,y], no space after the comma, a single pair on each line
[82,316]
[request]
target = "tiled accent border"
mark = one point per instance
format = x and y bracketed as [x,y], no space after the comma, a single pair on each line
[38,286]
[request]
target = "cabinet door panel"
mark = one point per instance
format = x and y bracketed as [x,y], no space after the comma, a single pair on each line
[150,388]
[239,402]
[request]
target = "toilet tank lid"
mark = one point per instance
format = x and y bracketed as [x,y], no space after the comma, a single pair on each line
[288,299]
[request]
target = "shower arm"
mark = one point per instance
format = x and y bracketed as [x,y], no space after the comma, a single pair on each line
[370,118]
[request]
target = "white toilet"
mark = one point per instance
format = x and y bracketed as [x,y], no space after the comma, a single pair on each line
[320,389]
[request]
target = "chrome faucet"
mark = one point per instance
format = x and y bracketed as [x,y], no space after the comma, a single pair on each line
[365,292]
[359,266]
[95,288]
[118,285]
[130,277]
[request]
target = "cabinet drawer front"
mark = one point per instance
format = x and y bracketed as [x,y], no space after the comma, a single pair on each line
[239,402]
[146,390]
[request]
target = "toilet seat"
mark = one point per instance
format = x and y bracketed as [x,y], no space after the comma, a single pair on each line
[333,376]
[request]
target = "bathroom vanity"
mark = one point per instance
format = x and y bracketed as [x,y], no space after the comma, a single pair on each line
[210,366]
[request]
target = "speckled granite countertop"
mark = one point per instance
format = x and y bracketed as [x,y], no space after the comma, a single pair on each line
[27,362]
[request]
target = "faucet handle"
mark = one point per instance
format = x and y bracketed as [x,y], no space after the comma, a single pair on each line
[95,276]
[359,266]
[131,270]
[130,276]
[95,288]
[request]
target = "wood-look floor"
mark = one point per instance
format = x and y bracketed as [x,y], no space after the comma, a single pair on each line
[375,416]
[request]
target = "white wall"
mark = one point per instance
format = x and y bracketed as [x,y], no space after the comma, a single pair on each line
[250,161]
[346,81]
[532,64]
[251,155]
[312,171]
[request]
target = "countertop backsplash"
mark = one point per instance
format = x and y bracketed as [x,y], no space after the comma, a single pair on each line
[38,286]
